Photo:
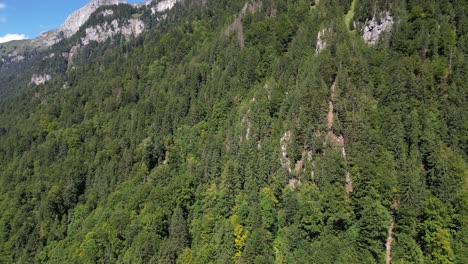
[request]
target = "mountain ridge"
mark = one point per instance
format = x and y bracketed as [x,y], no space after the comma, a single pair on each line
[71,26]
[75,20]
[83,27]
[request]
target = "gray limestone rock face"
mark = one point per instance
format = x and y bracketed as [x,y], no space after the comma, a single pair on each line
[374,28]
[38,79]
[165,5]
[80,16]
[321,41]
[100,33]
[49,38]
[73,23]
[284,141]
[161,6]
[107,12]
[14,56]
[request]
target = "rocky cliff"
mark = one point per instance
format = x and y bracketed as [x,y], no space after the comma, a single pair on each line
[79,17]
[127,27]
[375,27]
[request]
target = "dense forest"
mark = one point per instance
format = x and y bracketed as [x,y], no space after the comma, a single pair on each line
[244,131]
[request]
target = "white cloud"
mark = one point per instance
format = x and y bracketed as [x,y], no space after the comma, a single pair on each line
[2,6]
[10,37]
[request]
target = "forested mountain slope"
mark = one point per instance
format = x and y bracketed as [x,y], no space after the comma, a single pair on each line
[238,131]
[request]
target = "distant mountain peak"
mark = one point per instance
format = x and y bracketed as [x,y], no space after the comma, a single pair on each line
[127,27]
[79,17]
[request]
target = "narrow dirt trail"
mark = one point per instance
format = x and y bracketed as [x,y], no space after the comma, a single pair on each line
[338,140]
[391,231]
[331,111]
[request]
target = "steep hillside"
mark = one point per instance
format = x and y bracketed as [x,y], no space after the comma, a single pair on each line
[241,131]
[99,23]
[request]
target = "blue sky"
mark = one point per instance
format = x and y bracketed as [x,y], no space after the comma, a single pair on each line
[29,18]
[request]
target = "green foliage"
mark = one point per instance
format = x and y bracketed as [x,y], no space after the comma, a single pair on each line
[167,148]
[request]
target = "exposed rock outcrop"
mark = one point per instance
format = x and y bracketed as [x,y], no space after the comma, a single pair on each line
[294,183]
[39,79]
[14,56]
[375,27]
[321,42]
[73,23]
[284,141]
[161,6]
[100,33]
[79,17]
[48,38]
[165,5]
[248,124]
[107,12]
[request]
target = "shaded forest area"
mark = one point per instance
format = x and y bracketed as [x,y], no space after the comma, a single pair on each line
[223,136]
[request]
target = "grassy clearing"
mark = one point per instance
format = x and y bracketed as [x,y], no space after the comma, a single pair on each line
[137,15]
[349,16]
